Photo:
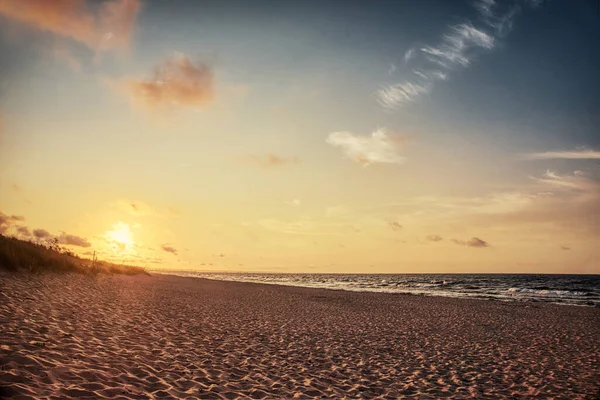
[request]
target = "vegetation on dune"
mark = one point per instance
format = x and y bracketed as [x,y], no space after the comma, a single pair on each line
[21,255]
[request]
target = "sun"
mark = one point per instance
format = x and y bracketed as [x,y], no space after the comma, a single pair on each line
[121,235]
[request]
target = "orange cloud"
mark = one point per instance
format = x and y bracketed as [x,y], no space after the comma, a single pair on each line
[270,160]
[473,242]
[6,221]
[73,240]
[178,82]
[23,231]
[109,27]
[41,233]
[169,249]
[395,226]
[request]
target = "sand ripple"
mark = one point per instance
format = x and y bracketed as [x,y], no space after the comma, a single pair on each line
[158,337]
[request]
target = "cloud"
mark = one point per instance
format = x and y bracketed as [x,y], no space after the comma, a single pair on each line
[577,182]
[456,44]
[380,147]
[473,242]
[73,240]
[7,221]
[41,233]
[169,249]
[578,154]
[270,160]
[551,207]
[565,204]
[565,248]
[499,16]
[108,26]
[177,83]
[457,48]
[434,238]
[431,75]
[395,226]
[393,96]
[23,231]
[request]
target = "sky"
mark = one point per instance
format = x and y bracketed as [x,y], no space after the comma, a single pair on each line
[386,136]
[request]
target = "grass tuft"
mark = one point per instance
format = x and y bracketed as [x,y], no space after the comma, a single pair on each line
[20,255]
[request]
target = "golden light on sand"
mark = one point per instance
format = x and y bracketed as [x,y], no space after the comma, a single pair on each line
[121,236]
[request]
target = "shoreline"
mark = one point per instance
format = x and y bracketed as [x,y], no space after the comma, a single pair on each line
[448,295]
[168,336]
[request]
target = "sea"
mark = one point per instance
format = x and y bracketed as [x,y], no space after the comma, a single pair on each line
[580,290]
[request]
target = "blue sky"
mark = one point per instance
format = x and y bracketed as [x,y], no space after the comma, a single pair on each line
[299,135]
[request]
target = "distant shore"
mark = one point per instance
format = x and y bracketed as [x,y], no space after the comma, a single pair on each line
[162,336]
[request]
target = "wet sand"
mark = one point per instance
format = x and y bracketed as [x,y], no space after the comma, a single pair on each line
[139,337]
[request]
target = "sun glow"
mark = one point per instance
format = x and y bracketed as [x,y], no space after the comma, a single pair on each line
[121,236]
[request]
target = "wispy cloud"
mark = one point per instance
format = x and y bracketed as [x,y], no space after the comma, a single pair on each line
[177,83]
[457,48]
[380,147]
[577,182]
[269,160]
[106,27]
[473,242]
[398,94]
[498,16]
[169,249]
[395,226]
[455,45]
[434,238]
[568,203]
[577,154]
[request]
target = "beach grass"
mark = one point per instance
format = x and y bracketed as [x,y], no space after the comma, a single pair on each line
[24,256]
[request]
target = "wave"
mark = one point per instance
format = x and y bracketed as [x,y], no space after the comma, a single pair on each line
[547,292]
[575,290]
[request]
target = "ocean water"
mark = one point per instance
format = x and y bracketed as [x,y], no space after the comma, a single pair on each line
[583,290]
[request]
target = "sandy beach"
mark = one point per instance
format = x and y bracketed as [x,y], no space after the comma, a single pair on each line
[156,337]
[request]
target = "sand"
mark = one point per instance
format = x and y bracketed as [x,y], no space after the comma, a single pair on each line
[137,337]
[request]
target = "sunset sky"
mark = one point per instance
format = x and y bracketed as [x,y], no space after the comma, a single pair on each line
[305,136]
